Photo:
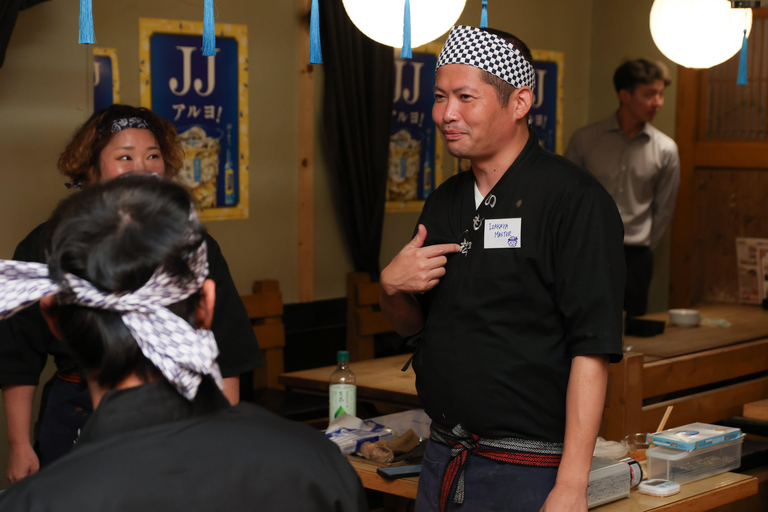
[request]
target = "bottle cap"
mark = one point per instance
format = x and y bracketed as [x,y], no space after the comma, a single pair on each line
[342,355]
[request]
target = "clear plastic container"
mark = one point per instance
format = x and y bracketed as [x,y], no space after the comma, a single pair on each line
[684,467]
[636,445]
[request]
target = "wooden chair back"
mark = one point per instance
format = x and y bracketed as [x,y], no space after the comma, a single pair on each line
[364,318]
[265,309]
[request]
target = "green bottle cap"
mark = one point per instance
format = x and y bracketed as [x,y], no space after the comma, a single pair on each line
[342,355]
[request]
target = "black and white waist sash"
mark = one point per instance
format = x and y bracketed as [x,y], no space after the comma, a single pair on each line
[508,450]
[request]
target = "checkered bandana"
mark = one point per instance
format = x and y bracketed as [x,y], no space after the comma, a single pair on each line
[478,48]
[128,122]
[180,352]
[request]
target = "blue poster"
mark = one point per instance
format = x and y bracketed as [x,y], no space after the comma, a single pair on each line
[412,137]
[543,114]
[102,82]
[200,96]
[106,78]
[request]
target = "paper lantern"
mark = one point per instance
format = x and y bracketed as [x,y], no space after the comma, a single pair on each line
[382,20]
[698,33]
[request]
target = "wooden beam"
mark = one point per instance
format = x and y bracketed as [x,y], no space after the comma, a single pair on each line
[306,159]
[683,221]
[729,154]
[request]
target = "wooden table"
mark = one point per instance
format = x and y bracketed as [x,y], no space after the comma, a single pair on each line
[696,496]
[747,323]
[678,359]
[693,497]
[378,380]
[366,470]
[707,372]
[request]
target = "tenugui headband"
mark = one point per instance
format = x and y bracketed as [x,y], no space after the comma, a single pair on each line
[182,353]
[128,122]
[489,52]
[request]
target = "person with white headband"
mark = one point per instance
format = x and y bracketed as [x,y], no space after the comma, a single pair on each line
[115,141]
[512,288]
[126,289]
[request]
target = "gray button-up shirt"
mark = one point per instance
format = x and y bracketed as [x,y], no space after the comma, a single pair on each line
[642,174]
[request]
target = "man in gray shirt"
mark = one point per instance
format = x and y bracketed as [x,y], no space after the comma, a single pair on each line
[638,165]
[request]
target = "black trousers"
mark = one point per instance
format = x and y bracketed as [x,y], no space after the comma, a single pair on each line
[639,260]
[63,411]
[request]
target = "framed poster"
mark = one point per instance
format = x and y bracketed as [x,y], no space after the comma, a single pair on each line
[415,146]
[546,115]
[106,78]
[206,98]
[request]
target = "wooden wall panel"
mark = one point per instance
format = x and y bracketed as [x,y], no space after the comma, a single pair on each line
[728,203]
[722,135]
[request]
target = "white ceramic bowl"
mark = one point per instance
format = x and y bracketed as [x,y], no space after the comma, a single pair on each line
[684,317]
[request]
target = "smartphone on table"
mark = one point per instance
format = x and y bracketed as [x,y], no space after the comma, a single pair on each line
[393,472]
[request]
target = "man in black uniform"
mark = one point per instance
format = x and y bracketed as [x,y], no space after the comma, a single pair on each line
[514,283]
[127,290]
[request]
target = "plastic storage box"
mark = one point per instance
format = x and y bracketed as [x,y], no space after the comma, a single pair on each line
[683,467]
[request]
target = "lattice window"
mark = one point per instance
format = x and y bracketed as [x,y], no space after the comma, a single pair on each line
[738,112]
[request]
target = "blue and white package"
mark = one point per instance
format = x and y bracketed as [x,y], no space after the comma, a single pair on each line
[350,432]
[693,436]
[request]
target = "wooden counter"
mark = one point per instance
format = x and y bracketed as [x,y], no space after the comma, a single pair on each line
[729,360]
[693,497]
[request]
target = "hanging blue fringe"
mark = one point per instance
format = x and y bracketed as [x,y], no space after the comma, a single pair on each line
[405,51]
[315,50]
[209,30]
[484,15]
[742,80]
[86,23]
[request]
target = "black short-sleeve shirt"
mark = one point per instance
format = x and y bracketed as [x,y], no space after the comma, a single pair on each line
[26,341]
[540,281]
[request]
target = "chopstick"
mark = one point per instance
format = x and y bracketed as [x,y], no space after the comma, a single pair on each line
[663,421]
[665,418]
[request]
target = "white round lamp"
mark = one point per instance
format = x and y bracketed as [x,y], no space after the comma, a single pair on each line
[698,33]
[382,20]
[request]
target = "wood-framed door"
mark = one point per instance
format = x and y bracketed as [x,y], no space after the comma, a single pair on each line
[722,135]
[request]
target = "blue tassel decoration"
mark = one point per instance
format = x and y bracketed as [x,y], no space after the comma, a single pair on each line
[315,50]
[484,15]
[86,23]
[405,51]
[209,30]
[742,80]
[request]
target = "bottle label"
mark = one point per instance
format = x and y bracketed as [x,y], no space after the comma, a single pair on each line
[343,400]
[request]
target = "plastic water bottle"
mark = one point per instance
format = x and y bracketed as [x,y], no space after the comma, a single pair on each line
[342,388]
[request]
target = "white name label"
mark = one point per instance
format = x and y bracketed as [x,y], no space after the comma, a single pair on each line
[502,233]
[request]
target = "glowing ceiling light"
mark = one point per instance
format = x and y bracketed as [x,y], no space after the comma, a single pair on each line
[382,20]
[698,33]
